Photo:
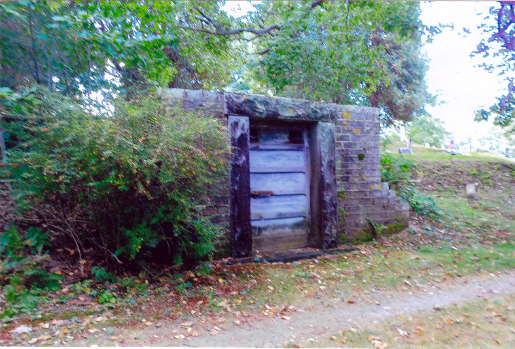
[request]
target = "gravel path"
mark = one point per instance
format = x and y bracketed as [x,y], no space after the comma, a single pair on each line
[328,317]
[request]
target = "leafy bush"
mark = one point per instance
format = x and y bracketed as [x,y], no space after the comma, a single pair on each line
[106,297]
[397,171]
[421,204]
[82,287]
[19,301]
[102,275]
[123,182]
[21,271]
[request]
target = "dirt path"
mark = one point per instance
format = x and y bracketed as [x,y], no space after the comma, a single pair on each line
[324,317]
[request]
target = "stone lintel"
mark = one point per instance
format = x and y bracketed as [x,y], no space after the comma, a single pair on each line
[287,109]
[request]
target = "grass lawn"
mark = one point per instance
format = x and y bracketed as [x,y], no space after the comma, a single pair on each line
[422,153]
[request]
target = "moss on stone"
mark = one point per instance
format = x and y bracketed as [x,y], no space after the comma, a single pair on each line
[367,234]
[357,237]
[394,228]
[341,217]
[342,195]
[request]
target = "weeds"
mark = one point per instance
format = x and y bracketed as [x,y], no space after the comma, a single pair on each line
[21,270]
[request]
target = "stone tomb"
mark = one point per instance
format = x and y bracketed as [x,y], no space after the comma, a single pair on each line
[303,174]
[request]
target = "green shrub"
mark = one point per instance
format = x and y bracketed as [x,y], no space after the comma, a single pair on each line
[397,171]
[21,259]
[21,270]
[82,287]
[102,275]
[421,204]
[124,182]
[106,297]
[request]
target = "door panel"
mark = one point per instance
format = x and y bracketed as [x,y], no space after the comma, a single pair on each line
[279,182]
[277,160]
[278,206]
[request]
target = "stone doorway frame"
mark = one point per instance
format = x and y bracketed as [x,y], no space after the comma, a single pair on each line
[241,111]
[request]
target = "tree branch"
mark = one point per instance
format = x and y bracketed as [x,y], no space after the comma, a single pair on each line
[205,19]
[226,32]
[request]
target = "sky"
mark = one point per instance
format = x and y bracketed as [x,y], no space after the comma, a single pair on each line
[453,75]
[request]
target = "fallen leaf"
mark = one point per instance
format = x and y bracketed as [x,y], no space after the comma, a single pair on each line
[285,317]
[92,330]
[22,329]
[402,332]
[44,337]
[148,323]
[448,321]
[350,301]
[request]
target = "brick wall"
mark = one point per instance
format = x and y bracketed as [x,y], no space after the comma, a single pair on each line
[361,194]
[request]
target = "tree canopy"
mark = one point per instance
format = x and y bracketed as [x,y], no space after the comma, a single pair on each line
[76,47]
[365,53]
[426,129]
[350,52]
[499,27]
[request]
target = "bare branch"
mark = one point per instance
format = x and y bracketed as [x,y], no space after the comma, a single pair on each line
[265,51]
[219,30]
[316,3]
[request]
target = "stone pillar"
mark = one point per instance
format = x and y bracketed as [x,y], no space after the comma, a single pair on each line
[241,231]
[361,194]
[328,202]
